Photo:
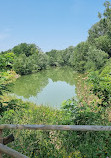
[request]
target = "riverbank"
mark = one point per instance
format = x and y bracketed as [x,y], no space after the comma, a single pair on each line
[55,143]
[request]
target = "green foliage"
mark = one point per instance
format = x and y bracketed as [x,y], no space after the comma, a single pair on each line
[60,57]
[81,114]
[27,49]
[12,104]
[79,57]
[33,63]
[6,60]
[24,59]
[104,43]
[101,87]
[96,59]
[106,70]
[107,12]
[39,143]
[97,30]
[86,57]
[58,143]
[5,82]
[89,144]
[100,33]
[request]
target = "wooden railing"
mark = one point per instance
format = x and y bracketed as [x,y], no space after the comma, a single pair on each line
[15,154]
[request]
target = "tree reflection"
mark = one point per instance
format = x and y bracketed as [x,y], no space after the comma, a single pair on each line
[31,85]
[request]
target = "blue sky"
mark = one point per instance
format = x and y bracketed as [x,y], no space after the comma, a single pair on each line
[50,24]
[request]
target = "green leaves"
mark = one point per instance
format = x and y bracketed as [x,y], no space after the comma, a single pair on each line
[96,57]
[6,60]
[89,144]
[101,86]
[100,33]
[27,49]
[104,43]
[33,63]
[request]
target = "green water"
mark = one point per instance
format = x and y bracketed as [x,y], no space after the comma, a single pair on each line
[48,87]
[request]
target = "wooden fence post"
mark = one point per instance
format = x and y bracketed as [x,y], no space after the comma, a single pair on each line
[1,141]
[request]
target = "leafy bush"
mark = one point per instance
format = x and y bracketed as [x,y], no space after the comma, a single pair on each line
[35,143]
[6,60]
[104,43]
[96,59]
[101,87]
[89,144]
[5,81]
[59,143]
[26,65]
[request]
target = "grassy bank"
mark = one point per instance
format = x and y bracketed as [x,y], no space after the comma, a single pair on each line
[32,142]
[56,144]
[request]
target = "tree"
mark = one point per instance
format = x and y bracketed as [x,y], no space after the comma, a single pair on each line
[96,59]
[104,43]
[79,58]
[27,49]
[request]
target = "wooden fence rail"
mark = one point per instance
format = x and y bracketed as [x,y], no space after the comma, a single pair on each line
[6,150]
[15,154]
[57,127]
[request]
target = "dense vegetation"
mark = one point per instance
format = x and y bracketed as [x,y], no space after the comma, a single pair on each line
[92,56]
[56,144]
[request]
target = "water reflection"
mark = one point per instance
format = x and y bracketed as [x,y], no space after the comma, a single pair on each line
[50,87]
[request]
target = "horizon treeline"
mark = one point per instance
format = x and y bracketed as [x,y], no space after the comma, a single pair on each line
[89,55]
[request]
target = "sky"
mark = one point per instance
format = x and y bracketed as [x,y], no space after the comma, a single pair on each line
[50,24]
